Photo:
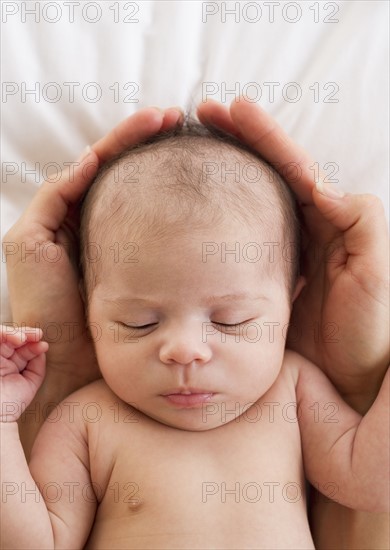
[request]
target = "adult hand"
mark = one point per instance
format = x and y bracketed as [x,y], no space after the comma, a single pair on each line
[42,258]
[340,321]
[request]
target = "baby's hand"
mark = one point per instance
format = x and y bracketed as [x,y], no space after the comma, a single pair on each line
[22,369]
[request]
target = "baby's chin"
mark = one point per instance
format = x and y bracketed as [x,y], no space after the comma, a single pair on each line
[196,419]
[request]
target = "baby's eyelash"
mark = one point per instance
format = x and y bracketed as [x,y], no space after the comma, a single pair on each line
[149,325]
[139,327]
[229,325]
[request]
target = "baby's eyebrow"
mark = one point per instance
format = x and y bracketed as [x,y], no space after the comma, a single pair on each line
[120,300]
[209,300]
[235,298]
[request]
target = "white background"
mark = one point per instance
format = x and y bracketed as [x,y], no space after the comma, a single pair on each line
[327,63]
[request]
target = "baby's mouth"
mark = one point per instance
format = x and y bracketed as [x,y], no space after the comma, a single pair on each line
[188,398]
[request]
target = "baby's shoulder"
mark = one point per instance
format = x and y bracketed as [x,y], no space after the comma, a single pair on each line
[294,364]
[94,390]
[82,402]
[69,420]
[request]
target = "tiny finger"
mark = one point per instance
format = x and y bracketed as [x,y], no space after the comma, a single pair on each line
[25,354]
[6,350]
[32,334]
[15,339]
[7,367]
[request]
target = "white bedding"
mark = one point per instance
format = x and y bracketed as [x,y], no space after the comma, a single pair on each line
[174,53]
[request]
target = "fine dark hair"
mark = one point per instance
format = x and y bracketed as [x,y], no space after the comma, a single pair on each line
[180,158]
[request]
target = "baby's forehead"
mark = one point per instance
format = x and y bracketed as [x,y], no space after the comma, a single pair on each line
[158,191]
[195,157]
[188,181]
[192,168]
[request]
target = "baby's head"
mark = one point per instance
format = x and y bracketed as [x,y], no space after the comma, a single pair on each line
[190,261]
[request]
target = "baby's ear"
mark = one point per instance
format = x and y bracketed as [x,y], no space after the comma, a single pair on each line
[298,288]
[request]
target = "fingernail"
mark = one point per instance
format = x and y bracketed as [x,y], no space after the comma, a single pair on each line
[23,337]
[36,332]
[158,108]
[181,113]
[329,190]
[178,109]
[84,154]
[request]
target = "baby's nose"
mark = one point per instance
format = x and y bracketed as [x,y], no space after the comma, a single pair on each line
[185,345]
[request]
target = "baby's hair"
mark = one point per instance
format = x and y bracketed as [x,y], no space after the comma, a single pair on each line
[184,178]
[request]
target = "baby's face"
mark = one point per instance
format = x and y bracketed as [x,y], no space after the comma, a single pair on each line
[189,337]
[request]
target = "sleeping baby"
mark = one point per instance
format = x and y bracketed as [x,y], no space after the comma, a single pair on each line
[203,427]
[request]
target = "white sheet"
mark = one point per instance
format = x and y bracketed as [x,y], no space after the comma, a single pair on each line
[172,53]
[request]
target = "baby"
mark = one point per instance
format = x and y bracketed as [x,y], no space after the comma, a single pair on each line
[203,427]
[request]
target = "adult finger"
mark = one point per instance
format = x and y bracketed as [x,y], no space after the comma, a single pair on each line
[173,116]
[212,113]
[361,219]
[50,205]
[361,251]
[259,130]
[133,130]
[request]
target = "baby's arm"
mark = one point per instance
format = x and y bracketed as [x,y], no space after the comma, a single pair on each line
[342,449]
[51,504]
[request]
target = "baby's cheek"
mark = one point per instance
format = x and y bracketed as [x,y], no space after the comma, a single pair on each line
[263,358]
[265,336]
[252,333]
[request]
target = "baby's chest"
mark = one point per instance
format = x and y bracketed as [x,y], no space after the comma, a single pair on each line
[166,488]
[254,457]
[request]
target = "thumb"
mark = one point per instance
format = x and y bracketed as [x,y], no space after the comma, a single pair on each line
[360,218]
